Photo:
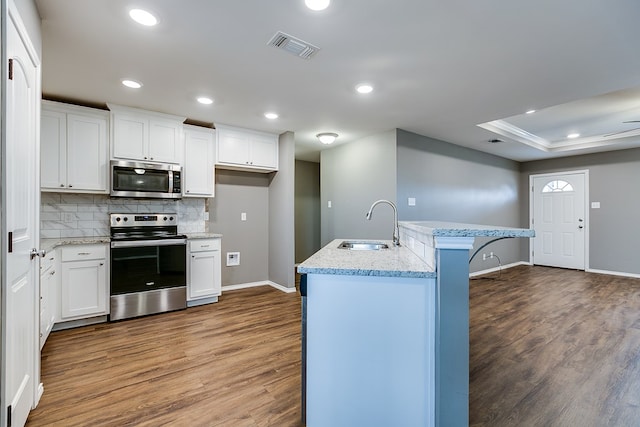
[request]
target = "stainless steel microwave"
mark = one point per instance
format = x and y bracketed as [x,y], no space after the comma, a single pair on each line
[145,180]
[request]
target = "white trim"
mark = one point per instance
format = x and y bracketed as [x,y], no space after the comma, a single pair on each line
[277,286]
[500,267]
[613,273]
[587,207]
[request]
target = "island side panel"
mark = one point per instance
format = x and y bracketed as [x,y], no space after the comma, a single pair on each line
[370,348]
[452,337]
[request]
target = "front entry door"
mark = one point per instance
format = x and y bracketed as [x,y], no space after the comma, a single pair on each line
[20,350]
[559,220]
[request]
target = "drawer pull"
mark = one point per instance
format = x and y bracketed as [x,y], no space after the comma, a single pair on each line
[204,246]
[84,253]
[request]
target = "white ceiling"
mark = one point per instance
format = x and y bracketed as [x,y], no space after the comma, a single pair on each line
[439,68]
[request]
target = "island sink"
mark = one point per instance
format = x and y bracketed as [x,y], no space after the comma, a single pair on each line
[363,246]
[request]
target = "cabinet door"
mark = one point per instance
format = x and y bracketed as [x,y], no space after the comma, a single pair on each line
[204,280]
[86,153]
[48,291]
[83,289]
[53,150]
[233,147]
[264,151]
[165,141]
[130,136]
[199,164]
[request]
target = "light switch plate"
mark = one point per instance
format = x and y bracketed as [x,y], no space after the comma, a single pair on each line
[206,216]
[412,201]
[243,216]
[595,205]
[329,204]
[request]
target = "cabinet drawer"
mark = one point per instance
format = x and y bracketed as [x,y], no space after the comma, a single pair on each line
[200,245]
[83,252]
[48,261]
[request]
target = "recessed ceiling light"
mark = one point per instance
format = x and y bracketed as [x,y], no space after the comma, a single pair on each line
[364,88]
[204,100]
[143,17]
[271,116]
[530,112]
[573,135]
[317,4]
[132,84]
[327,137]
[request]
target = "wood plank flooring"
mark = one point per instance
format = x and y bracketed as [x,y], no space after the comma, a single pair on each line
[548,347]
[554,347]
[234,363]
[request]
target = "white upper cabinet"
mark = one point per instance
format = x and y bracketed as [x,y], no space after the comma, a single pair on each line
[245,149]
[199,162]
[73,149]
[146,135]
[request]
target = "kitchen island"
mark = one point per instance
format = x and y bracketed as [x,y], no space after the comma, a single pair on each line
[386,332]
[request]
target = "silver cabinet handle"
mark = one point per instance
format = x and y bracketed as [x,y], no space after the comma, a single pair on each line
[84,253]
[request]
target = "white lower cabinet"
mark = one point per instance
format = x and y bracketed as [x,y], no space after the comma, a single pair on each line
[83,286]
[48,295]
[204,282]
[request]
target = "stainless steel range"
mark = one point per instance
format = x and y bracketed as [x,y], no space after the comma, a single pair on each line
[148,265]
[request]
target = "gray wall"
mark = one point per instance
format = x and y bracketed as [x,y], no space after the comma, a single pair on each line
[453,183]
[613,181]
[281,215]
[307,209]
[352,177]
[238,192]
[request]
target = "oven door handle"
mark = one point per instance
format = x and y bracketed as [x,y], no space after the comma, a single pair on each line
[142,243]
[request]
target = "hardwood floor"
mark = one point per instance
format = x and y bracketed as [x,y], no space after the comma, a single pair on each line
[235,363]
[554,347]
[548,347]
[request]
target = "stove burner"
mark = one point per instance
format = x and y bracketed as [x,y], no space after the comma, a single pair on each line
[144,227]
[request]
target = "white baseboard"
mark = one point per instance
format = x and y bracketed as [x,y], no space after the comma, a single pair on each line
[503,267]
[261,283]
[613,273]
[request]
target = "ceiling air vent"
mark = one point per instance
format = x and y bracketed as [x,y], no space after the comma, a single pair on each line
[293,45]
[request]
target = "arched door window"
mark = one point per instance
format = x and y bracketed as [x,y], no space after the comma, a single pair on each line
[557,186]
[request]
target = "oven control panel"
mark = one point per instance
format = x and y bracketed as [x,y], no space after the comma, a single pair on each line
[139,219]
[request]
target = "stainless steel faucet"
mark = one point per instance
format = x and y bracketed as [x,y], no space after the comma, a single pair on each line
[396,230]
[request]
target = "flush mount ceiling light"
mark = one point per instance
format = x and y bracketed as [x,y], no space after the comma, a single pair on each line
[327,137]
[204,100]
[364,88]
[317,4]
[573,135]
[132,84]
[271,116]
[143,17]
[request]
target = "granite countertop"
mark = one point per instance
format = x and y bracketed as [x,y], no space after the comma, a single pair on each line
[392,262]
[203,235]
[454,229]
[50,244]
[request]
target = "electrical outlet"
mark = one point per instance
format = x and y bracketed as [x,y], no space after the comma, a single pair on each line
[491,255]
[484,257]
[206,216]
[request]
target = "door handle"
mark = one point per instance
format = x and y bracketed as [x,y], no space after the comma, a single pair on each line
[34,253]
[580,226]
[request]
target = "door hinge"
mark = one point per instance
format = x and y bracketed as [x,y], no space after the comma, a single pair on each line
[10,239]
[9,416]
[10,68]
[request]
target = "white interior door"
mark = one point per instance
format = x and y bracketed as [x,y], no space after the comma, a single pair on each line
[20,327]
[559,220]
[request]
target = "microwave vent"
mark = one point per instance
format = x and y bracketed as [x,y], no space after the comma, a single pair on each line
[293,45]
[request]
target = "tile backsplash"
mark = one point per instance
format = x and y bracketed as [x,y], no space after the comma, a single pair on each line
[65,215]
